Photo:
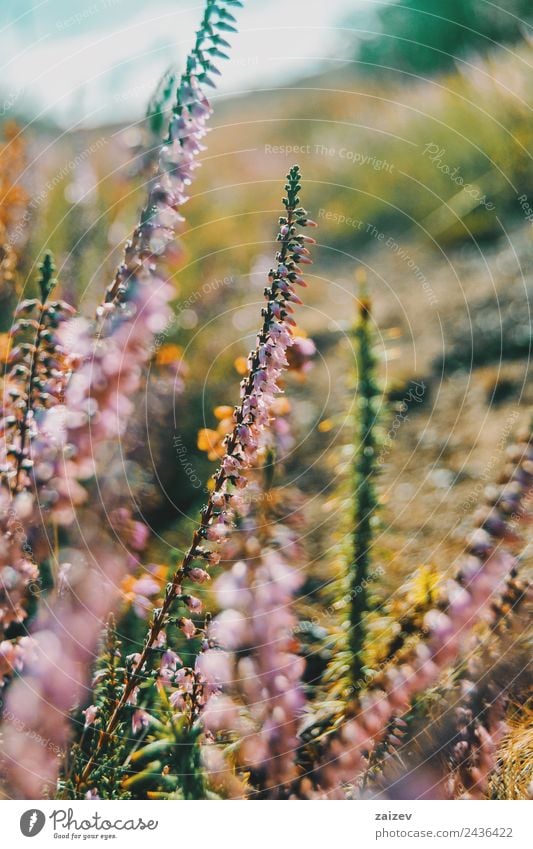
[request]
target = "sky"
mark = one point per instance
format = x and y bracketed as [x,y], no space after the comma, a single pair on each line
[86,62]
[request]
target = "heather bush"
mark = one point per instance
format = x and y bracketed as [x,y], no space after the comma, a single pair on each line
[248,654]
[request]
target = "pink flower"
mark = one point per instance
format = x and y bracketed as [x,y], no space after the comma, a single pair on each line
[92,795]
[140,720]
[170,663]
[216,532]
[198,576]
[188,627]
[215,666]
[195,605]
[90,715]
[177,700]
[220,713]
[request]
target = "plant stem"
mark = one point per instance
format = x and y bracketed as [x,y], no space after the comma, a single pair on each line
[364,471]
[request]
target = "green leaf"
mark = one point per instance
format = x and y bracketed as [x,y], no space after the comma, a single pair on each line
[227,16]
[214,51]
[224,27]
[217,39]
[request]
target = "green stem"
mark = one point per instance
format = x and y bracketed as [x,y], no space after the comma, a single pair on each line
[364,471]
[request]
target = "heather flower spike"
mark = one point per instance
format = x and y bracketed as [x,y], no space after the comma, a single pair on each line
[251,419]
[177,160]
[40,370]
[108,783]
[136,304]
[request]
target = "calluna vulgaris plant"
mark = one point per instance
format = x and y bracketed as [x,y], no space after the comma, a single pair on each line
[251,419]
[123,678]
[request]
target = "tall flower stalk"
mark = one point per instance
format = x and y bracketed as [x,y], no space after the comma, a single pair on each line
[350,595]
[251,417]
[136,305]
[365,498]
[177,157]
[40,368]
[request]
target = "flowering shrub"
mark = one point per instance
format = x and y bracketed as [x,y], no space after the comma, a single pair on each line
[207,673]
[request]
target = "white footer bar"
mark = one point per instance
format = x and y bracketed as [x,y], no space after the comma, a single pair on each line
[269,825]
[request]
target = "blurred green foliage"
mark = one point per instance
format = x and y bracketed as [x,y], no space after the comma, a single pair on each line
[427,36]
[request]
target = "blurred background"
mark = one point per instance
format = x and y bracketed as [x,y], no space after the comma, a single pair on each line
[412,123]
